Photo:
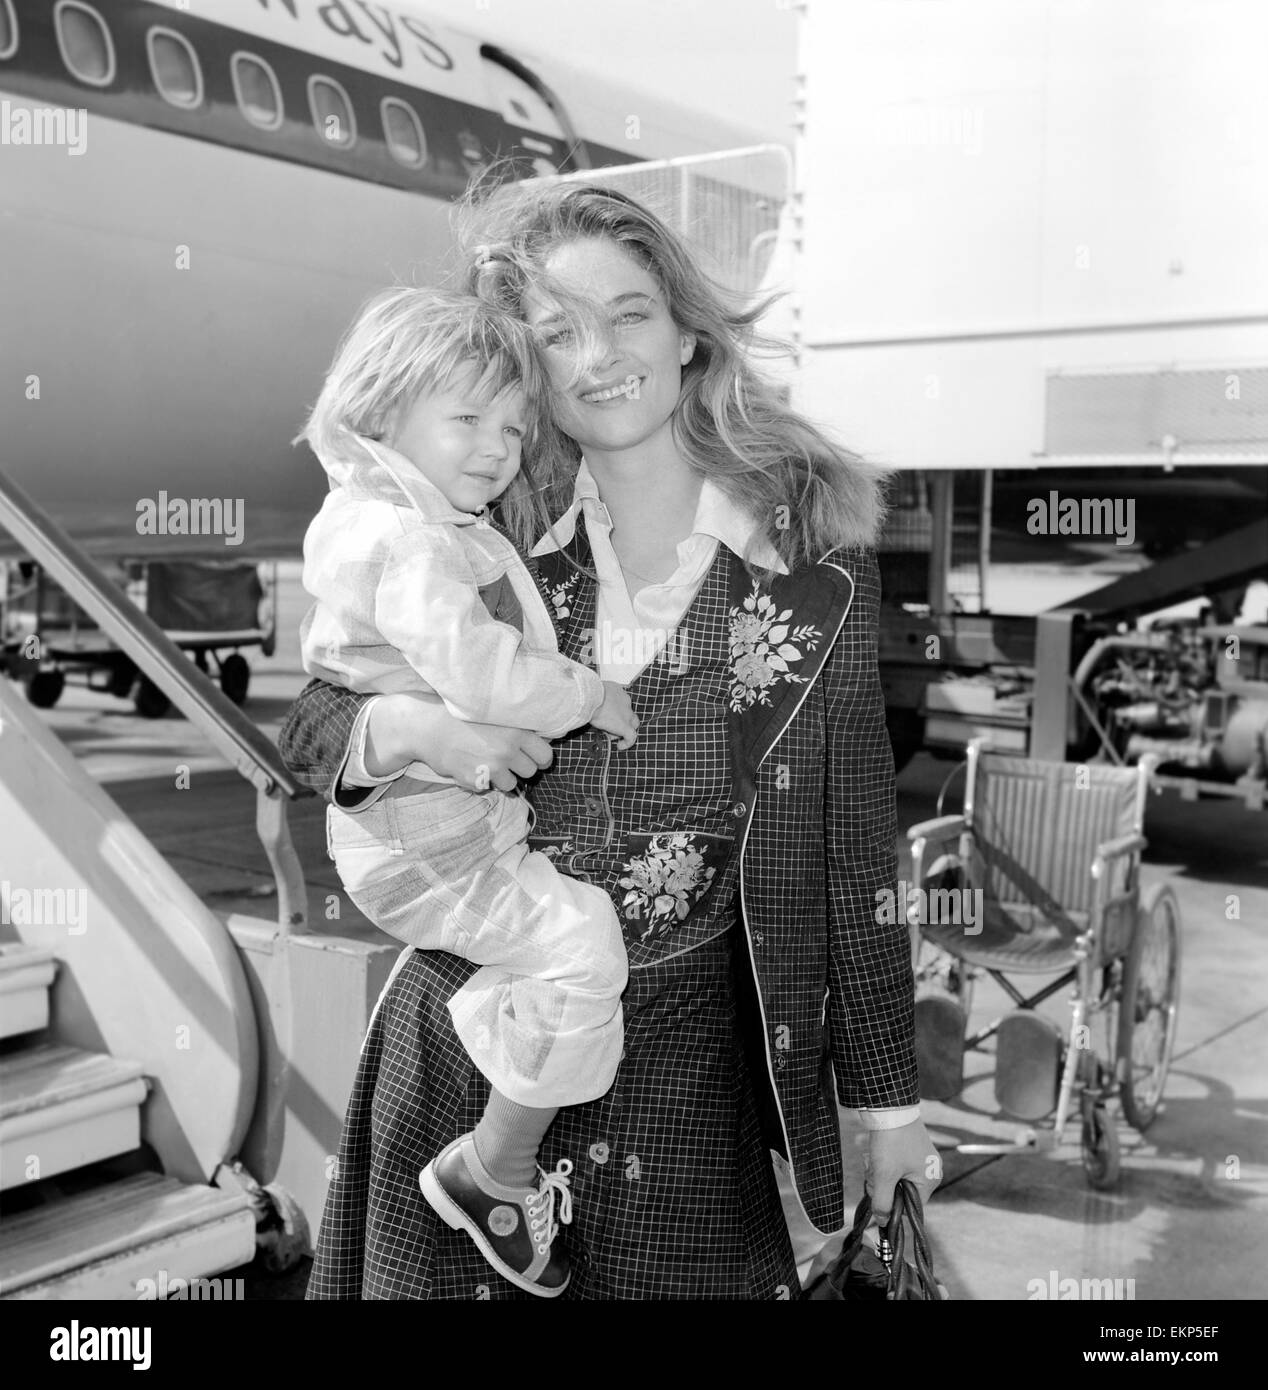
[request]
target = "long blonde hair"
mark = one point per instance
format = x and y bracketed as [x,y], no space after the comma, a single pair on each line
[406,341]
[808,494]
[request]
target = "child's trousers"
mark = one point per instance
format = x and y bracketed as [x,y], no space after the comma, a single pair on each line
[449,870]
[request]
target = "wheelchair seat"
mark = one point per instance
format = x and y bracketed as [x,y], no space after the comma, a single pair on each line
[1049,852]
[1014,937]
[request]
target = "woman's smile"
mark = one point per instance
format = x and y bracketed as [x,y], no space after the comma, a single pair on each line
[623,391]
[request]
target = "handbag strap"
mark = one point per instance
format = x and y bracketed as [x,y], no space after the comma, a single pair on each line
[908,1214]
[840,1270]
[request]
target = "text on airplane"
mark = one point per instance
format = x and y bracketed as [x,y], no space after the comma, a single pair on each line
[358,21]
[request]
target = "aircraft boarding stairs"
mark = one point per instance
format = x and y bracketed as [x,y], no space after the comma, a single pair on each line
[172,1079]
[64,1110]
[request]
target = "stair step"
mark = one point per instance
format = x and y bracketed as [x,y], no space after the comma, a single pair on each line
[62,1108]
[103,1243]
[26,972]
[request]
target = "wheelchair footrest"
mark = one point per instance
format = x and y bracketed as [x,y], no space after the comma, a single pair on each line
[1028,1065]
[940,1027]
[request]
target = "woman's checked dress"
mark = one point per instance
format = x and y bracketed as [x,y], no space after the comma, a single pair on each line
[673,1191]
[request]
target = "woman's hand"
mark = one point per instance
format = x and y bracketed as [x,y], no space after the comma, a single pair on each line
[893,1154]
[411,727]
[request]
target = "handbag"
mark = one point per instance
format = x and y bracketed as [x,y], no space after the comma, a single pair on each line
[859,1276]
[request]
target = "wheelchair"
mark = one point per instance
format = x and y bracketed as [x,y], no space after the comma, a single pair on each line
[1039,875]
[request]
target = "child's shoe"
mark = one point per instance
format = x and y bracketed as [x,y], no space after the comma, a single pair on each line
[514,1227]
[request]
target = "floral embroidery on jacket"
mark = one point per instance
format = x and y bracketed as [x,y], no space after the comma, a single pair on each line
[761,649]
[562,596]
[664,883]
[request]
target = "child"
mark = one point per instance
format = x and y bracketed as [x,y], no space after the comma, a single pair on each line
[420,425]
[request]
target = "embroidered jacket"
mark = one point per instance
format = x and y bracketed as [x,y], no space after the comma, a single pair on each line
[816,819]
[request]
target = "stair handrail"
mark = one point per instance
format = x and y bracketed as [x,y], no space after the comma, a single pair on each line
[235,737]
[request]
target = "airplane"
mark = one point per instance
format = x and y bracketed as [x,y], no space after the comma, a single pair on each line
[194,201]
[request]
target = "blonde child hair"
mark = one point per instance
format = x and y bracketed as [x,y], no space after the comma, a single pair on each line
[408,340]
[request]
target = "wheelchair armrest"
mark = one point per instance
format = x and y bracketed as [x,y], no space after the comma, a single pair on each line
[942,832]
[941,828]
[1115,849]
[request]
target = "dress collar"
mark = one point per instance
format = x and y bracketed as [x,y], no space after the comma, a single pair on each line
[717,517]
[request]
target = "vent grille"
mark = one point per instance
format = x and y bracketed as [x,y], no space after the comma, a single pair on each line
[1208,415]
[726,205]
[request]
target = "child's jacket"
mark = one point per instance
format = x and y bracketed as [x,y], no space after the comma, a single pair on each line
[396,572]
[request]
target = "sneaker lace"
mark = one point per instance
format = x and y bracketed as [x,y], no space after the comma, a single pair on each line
[541,1205]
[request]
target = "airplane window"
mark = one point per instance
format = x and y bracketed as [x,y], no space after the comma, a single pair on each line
[404,133]
[8,29]
[174,66]
[332,111]
[257,91]
[85,43]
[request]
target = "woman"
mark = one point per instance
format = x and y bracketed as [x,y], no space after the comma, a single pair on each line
[715,558]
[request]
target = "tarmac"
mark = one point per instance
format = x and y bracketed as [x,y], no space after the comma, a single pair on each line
[1189,1219]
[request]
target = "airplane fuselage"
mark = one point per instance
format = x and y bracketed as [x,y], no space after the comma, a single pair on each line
[172,291]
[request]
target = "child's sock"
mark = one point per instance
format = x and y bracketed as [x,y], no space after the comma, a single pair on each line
[508,1137]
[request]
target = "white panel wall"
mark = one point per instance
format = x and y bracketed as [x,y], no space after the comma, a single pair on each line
[993,167]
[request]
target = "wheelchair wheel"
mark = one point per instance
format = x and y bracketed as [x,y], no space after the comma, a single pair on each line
[1150,1005]
[1099,1142]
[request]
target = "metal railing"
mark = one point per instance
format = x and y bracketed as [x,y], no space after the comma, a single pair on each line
[233,735]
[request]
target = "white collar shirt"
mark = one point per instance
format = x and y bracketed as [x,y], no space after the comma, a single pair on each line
[630,633]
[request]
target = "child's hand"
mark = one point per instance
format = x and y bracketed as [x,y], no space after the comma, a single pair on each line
[616,715]
[410,726]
